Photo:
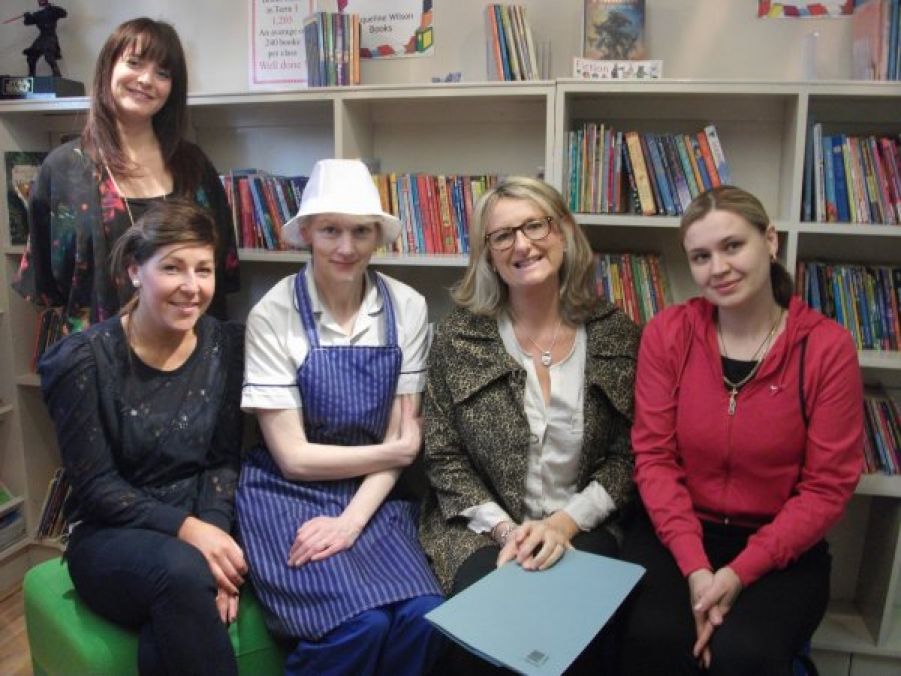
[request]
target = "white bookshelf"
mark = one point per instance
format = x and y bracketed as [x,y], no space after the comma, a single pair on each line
[517,128]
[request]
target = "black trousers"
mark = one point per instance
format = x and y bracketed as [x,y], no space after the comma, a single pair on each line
[159,586]
[762,633]
[459,661]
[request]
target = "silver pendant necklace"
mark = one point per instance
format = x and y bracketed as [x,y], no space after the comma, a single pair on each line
[546,356]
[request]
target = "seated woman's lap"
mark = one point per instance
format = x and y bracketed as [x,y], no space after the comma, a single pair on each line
[121,572]
[770,620]
[481,562]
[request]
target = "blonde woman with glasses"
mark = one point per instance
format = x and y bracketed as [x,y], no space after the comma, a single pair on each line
[528,401]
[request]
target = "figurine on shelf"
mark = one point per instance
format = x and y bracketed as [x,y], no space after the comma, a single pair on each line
[46,44]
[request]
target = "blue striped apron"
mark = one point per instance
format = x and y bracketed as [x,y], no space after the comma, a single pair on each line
[347,394]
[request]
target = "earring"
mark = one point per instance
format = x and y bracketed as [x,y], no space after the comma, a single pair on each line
[136,283]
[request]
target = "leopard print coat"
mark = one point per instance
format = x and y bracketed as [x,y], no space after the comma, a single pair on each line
[477,435]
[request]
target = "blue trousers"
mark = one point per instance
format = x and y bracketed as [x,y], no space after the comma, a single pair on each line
[159,586]
[392,640]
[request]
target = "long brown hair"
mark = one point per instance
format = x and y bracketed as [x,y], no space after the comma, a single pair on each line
[156,41]
[744,204]
[174,221]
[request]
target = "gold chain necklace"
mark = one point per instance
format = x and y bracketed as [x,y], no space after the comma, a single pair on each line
[761,350]
[546,357]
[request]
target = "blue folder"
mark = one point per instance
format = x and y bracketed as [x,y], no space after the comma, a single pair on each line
[537,622]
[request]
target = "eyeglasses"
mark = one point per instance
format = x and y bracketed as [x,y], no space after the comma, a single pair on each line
[503,238]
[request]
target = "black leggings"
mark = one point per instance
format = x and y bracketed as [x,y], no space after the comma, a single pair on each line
[159,586]
[760,636]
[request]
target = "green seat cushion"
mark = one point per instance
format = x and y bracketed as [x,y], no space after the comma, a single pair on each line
[66,637]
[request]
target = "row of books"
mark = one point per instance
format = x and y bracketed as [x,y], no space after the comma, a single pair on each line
[610,171]
[435,210]
[635,282]
[864,299]
[261,204]
[882,433]
[511,47]
[875,34]
[332,42]
[852,179]
[49,328]
[52,523]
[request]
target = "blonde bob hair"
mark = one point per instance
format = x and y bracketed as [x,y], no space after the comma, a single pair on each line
[483,292]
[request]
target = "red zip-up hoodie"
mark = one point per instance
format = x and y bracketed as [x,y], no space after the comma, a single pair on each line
[761,467]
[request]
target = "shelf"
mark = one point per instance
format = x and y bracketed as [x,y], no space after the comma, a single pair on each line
[28,380]
[5,410]
[880,359]
[14,249]
[843,630]
[884,485]
[415,260]
[630,220]
[50,543]
[14,548]
[851,229]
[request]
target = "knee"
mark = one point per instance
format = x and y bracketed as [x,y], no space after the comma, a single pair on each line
[183,571]
[371,626]
[739,655]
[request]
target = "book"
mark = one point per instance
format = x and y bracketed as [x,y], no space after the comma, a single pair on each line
[537,622]
[642,180]
[21,170]
[613,29]
[869,54]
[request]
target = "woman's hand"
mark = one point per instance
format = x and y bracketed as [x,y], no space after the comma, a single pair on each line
[712,597]
[227,605]
[322,536]
[535,545]
[222,553]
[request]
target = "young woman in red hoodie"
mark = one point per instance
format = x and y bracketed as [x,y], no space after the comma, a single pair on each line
[747,440]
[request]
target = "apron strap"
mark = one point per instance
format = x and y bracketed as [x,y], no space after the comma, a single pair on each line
[305,307]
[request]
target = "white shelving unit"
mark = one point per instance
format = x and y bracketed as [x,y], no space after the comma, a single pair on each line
[516,128]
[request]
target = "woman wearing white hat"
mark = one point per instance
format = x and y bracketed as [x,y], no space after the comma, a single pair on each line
[334,370]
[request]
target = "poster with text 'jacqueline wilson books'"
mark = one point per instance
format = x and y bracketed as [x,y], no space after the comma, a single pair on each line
[613,29]
[392,28]
[277,53]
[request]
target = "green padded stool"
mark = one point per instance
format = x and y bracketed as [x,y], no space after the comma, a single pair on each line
[66,637]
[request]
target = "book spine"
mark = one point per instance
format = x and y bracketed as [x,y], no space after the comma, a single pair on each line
[640,174]
[530,45]
[707,156]
[675,167]
[719,157]
[841,184]
[687,171]
[660,174]
[819,175]
[494,48]
[699,163]
[515,73]
[886,205]
[829,181]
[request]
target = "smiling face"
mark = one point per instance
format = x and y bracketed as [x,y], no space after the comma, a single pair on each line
[730,259]
[342,246]
[139,86]
[176,286]
[527,264]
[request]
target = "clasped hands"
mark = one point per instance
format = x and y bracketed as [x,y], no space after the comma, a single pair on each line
[712,597]
[225,559]
[536,545]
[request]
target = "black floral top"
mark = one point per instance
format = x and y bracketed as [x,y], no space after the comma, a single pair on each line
[75,216]
[145,448]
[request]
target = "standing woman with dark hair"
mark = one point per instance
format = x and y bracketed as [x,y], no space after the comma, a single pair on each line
[146,409]
[747,440]
[131,154]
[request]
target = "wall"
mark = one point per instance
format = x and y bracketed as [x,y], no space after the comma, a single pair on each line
[697,39]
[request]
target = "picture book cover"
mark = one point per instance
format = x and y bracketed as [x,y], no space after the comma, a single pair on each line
[613,29]
[21,170]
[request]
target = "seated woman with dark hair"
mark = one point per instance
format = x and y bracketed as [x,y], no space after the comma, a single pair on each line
[146,408]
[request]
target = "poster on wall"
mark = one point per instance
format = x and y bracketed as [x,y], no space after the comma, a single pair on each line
[393,28]
[768,9]
[277,54]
